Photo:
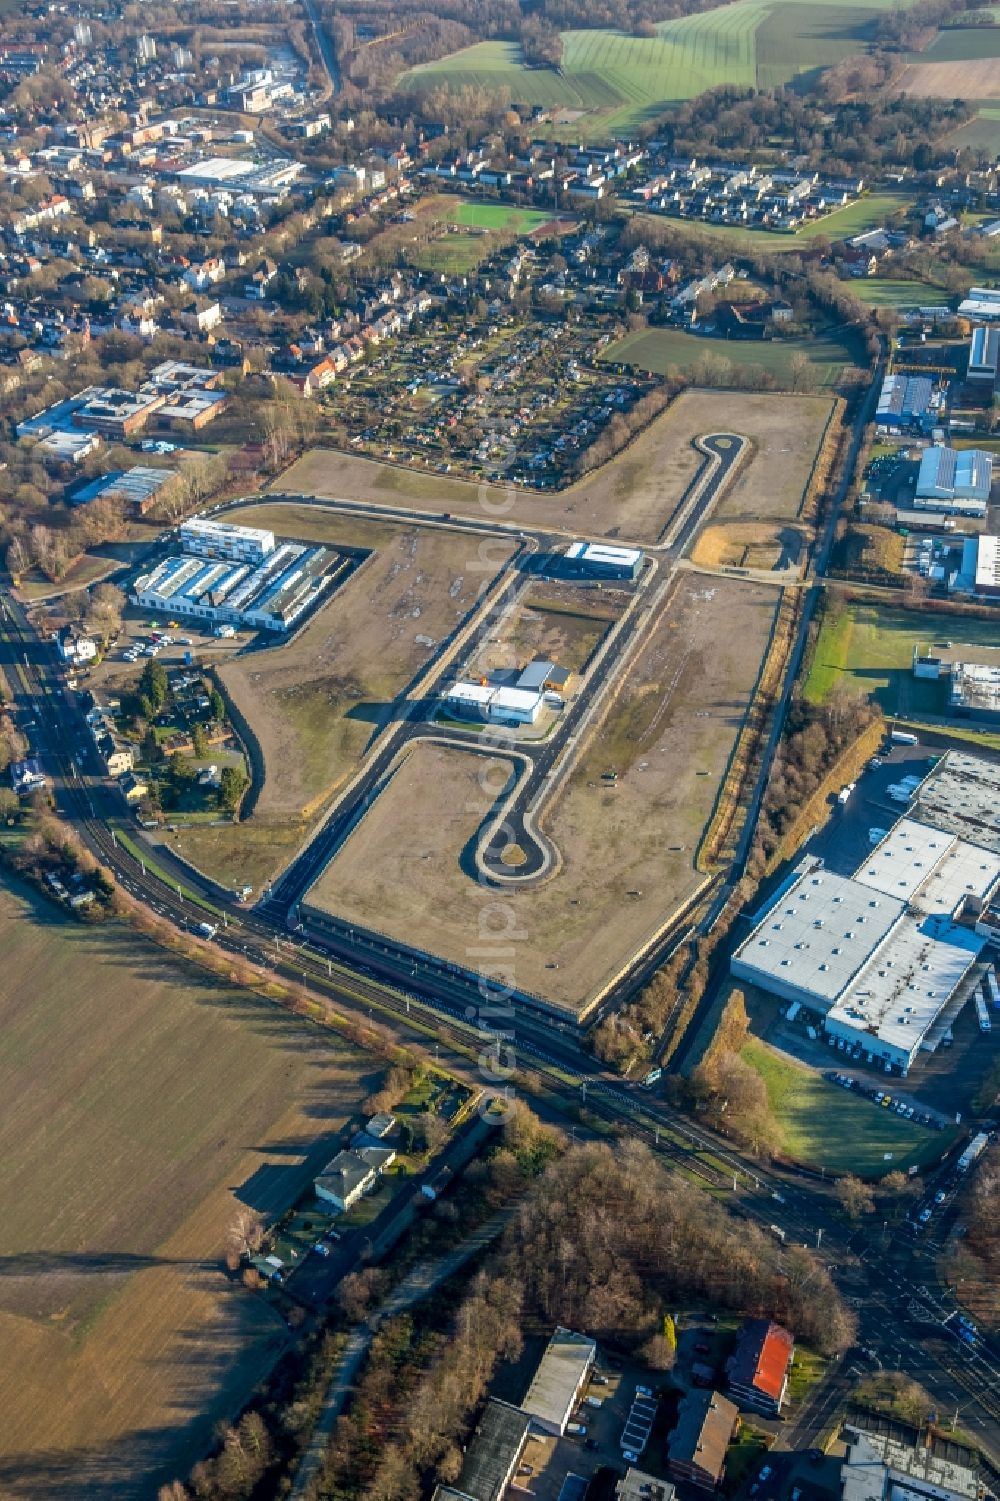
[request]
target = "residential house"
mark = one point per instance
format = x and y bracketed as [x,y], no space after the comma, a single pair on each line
[204,273]
[697,1447]
[74,645]
[256,286]
[351,1173]
[758,1370]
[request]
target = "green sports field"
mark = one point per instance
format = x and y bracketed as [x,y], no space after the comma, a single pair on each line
[518,221]
[876,291]
[824,1126]
[670,351]
[617,81]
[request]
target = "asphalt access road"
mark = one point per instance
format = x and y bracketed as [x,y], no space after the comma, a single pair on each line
[727,449]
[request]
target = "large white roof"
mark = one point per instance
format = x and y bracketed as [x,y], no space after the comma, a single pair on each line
[470,693]
[903,989]
[821,933]
[905,860]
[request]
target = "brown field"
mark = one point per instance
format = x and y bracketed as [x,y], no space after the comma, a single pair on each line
[633,497]
[747,544]
[972,78]
[239,854]
[315,703]
[143,1103]
[669,736]
[553,622]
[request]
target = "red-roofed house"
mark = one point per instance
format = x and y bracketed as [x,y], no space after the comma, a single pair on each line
[758,1370]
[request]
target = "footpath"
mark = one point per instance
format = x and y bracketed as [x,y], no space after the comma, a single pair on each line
[415,1286]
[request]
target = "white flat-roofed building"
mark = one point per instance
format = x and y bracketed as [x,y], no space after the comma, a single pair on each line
[598,560]
[901,994]
[880,1467]
[982,304]
[471,700]
[974,691]
[988,565]
[559,1380]
[220,539]
[962,795]
[904,859]
[515,706]
[879,955]
[509,706]
[817,939]
[984,355]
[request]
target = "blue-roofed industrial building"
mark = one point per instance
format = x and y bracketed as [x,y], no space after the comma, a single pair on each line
[954,480]
[905,401]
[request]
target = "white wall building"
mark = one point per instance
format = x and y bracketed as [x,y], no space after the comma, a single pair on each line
[218,539]
[878,954]
[508,706]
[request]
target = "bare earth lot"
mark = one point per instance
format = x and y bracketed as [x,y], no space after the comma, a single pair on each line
[972,78]
[669,736]
[633,497]
[552,622]
[315,703]
[141,1105]
[748,544]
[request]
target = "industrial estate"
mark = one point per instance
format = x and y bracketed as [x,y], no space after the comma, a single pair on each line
[500,744]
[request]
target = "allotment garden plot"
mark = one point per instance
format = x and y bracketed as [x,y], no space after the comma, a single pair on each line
[629,500]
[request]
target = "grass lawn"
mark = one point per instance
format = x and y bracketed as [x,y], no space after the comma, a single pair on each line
[981,133]
[807,1369]
[665,351]
[959,44]
[520,221]
[744,1454]
[84,572]
[875,291]
[240,854]
[824,1126]
[452,255]
[869,650]
[611,83]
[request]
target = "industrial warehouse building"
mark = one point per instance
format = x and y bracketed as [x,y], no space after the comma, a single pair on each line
[982,303]
[504,706]
[596,560]
[881,954]
[559,1381]
[984,355]
[979,573]
[238,575]
[904,400]
[974,692]
[955,481]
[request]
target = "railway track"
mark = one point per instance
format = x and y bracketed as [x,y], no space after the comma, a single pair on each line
[252,938]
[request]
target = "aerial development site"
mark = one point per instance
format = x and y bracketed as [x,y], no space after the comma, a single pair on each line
[500,751]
